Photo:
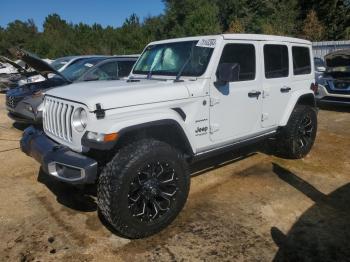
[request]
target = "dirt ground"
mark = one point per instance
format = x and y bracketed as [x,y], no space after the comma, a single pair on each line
[242,207]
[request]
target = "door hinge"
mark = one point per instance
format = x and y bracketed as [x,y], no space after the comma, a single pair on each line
[214,101]
[265,93]
[214,128]
[264,117]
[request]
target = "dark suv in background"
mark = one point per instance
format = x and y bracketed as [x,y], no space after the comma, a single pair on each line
[23,102]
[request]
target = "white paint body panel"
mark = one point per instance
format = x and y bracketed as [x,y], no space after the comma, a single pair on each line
[235,117]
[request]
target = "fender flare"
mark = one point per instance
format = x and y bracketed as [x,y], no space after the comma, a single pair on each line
[159,124]
[297,97]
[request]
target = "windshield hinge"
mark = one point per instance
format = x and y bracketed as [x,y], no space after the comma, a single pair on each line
[100,113]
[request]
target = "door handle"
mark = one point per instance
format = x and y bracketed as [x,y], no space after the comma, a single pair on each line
[254,94]
[285,89]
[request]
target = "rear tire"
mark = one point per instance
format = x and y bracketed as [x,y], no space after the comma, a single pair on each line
[143,188]
[297,138]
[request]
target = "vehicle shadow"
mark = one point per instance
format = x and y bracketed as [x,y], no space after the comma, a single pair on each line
[203,166]
[77,198]
[321,233]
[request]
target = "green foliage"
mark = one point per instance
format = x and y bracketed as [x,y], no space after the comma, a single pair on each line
[312,19]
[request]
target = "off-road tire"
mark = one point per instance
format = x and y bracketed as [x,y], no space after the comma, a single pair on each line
[115,181]
[291,141]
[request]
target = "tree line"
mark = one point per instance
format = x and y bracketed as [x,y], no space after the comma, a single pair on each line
[315,20]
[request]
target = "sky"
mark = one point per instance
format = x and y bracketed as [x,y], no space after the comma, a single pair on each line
[104,12]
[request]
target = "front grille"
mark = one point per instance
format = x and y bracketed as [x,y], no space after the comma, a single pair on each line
[57,117]
[12,101]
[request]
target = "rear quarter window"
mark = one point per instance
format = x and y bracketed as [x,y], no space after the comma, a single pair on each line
[276,61]
[301,60]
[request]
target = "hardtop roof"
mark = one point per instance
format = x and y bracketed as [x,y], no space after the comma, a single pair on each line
[254,37]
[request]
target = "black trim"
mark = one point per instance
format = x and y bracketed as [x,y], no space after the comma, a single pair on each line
[180,112]
[158,123]
[335,100]
[233,146]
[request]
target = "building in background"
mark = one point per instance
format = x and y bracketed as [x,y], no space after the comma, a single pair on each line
[321,49]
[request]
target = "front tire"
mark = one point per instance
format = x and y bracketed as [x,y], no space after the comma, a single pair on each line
[298,136]
[143,188]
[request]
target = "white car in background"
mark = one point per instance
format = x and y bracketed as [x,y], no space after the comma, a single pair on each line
[59,64]
[7,68]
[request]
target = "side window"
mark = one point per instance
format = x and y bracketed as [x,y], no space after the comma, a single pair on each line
[125,68]
[276,61]
[242,54]
[107,71]
[301,60]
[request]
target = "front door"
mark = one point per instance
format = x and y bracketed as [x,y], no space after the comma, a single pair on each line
[235,107]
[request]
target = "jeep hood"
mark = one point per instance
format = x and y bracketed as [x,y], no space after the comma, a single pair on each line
[36,63]
[121,93]
[338,62]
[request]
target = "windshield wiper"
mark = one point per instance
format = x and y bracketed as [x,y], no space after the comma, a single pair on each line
[177,79]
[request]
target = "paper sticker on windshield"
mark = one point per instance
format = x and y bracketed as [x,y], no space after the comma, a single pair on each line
[209,43]
[89,65]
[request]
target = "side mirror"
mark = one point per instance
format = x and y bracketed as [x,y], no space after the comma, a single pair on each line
[228,72]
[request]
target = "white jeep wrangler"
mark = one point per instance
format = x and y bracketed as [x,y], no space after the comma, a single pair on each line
[185,99]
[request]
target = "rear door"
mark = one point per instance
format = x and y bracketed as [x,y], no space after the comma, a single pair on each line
[235,107]
[303,75]
[276,82]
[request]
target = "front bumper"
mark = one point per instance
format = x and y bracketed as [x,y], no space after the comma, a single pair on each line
[20,112]
[324,96]
[58,161]
[24,120]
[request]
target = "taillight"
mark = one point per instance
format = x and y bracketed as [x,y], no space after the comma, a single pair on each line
[314,87]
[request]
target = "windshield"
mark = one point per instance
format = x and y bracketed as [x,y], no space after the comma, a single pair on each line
[79,67]
[58,63]
[169,58]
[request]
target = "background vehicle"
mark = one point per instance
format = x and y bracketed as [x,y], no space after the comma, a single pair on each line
[23,102]
[12,73]
[186,99]
[334,84]
[60,64]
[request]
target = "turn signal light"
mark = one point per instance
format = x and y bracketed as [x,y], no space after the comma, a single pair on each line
[110,137]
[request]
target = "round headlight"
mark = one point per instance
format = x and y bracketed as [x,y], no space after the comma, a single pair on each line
[79,120]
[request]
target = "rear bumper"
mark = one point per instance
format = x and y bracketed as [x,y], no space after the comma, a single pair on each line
[58,161]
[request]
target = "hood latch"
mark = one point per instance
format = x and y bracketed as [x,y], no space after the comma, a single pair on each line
[100,113]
